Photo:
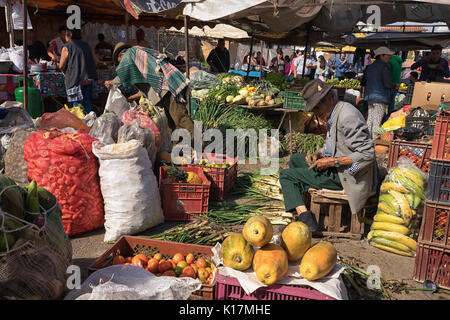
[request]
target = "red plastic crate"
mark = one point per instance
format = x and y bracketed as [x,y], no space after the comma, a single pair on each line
[130,246]
[441,138]
[435,228]
[432,263]
[228,288]
[182,201]
[222,179]
[422,151]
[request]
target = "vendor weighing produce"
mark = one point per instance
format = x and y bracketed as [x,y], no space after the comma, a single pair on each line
[159,81]
[347,160]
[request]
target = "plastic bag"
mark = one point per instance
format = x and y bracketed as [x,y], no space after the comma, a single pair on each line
[133,283]
[203,80]
[15,164]
[16,119]
[62,119]
[395,123]
[145,136]
[106,128]
[116,103]
[144,121]
[35,262]
[133,206]
[64,164]
[90,118]
[78,111]
[397,220]
[16,57]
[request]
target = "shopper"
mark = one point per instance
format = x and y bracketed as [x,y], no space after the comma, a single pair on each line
[297,55]
[396,69]
[103,48]
[219,58]
[278,63]
[378,87]
[36,48]
[434,67]
[342,67]
[321,68]
[287,67]
[259,58]
[56,45]
[79,65]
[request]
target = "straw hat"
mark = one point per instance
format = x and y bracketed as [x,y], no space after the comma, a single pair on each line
[313,92]
[117,50]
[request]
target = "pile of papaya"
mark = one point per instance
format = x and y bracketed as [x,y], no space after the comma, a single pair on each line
[396,221]
[252,248]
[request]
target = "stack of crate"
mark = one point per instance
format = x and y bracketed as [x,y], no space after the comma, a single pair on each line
[433,252]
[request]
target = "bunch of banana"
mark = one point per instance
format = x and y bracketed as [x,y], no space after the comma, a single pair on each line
[401,194]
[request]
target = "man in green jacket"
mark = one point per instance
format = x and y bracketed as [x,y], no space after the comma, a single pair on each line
[396,69]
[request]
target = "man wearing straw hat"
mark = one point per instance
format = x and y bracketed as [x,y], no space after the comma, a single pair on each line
[347,160]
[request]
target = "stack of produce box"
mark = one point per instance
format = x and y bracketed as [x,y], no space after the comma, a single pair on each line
[433,252]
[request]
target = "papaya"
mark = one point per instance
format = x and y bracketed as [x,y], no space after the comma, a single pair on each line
[296,240]
[318,261]
[258,231]
[270,263]
[237,252]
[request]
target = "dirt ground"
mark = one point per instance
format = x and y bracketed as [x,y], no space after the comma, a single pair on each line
[89,246]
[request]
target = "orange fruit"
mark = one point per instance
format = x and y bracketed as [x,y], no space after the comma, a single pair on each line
[178,257]
[203,274]
[172,263]
[153,266]
[164,266]
[188,272]
[201,263]
[190,258]
[136,261]
[194,266]
[118,260]
[142,257]
[208,269]
[158,256]
[128,259]
[182,264]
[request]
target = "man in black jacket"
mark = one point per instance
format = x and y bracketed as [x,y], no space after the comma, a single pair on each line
[219,58]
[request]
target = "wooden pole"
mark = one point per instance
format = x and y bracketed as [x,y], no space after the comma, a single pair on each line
[260,62]
[25,55]
[186,42]
[306,50]
[249,62]
[9,24]
[127,26]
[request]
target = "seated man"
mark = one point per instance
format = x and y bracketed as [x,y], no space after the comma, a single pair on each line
[346,161]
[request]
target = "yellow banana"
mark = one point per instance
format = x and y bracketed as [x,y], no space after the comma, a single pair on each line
[393,186]
[390,243]
[411,174]
[381,217]
[404,206]
[386,248]
[387,226]
[400,238]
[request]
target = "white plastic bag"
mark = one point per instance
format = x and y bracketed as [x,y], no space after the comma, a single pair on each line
[122,282]
[16,57]
[129,189]
[116,102]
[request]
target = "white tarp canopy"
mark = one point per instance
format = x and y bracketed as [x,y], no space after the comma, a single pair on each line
[219,31]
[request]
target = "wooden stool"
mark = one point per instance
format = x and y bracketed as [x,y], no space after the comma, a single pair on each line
[337,203]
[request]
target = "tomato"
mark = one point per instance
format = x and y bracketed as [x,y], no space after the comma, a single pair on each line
[178,257]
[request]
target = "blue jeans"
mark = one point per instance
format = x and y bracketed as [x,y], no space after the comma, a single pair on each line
[87,96]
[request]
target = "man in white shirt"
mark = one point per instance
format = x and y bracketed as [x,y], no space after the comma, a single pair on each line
[298,65]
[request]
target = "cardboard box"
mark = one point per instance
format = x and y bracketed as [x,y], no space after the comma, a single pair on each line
[430,95]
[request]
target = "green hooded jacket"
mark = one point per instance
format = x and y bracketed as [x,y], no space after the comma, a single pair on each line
[396,64]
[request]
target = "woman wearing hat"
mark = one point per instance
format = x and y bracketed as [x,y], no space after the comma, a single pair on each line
[378,88]
[347,160]
[158,80]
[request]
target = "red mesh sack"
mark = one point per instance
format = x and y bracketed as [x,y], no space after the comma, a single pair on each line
[144,122]
[64,164]
[62,119]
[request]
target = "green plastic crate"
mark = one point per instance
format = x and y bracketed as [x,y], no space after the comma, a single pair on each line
[294,100]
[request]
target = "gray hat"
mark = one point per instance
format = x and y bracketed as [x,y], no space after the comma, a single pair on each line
[313,92]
